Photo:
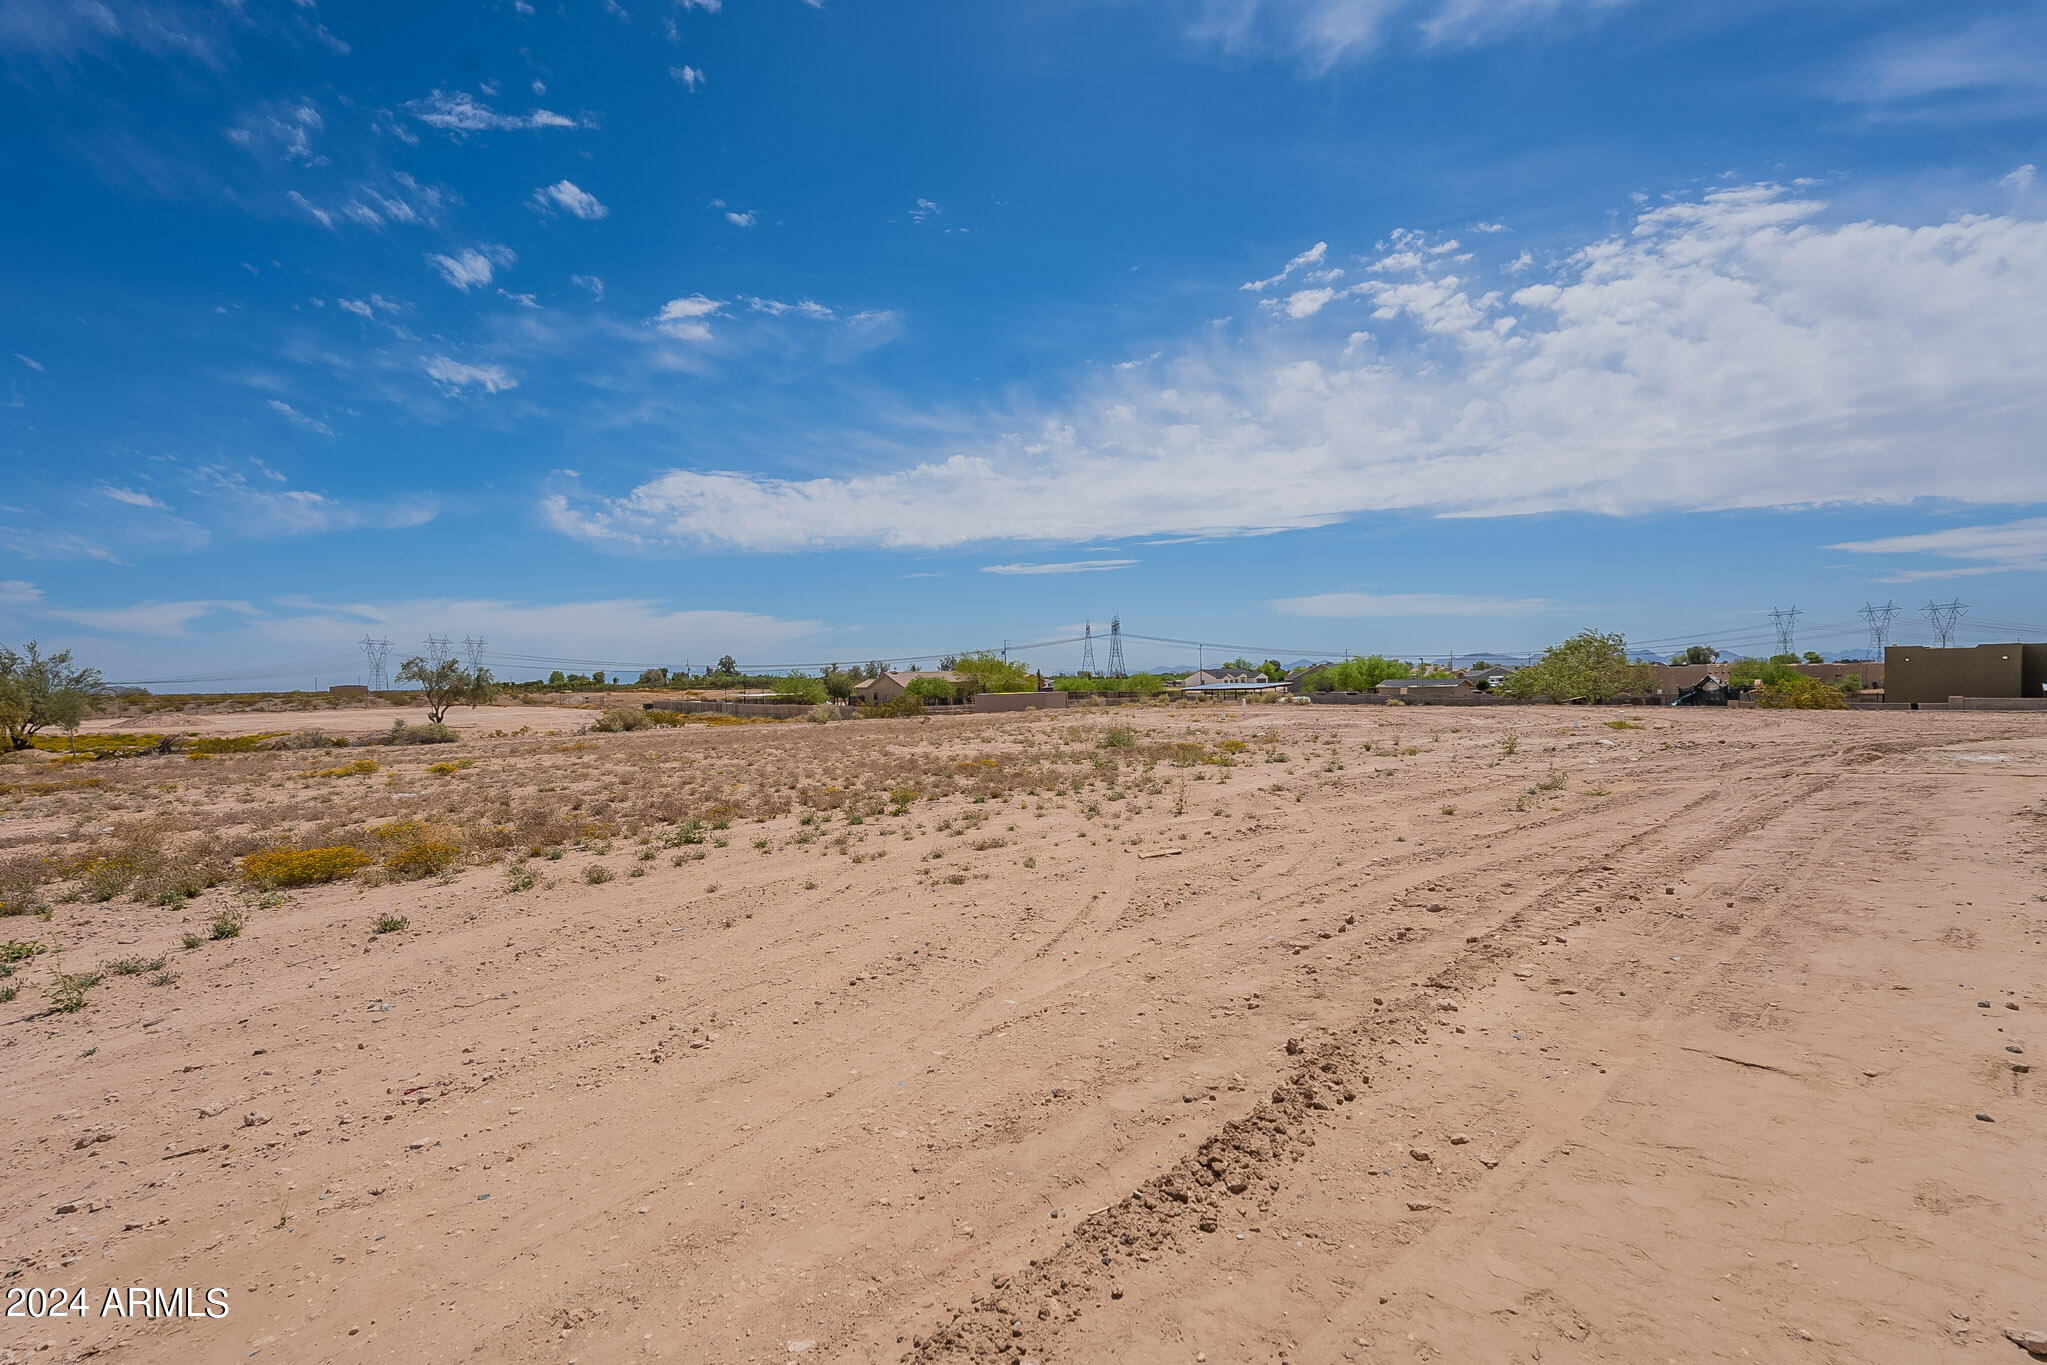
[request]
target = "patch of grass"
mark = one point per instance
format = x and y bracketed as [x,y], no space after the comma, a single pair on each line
[453,767]
[20,950]
[1622,725]
[390,924]
[1553,782]
[214,745]
[191,940]
[227,924]
[519,877]
[303,866]
[67,990]
[134,966]
[1507,745]
[362,767]
[597,874]
[164,979]
[1119,737]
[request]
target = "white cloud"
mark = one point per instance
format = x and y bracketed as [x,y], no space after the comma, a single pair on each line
[33,364]
[312,210]
[1314,255]
[1993,68]
[132,497]
[1070,566]
[164,619]
[1356,606]
[292,414]
[2021,178]
[686,319]
[472,267]
[707,6]
[2011,546]
[808,308]
[567,197]
[746,219]
[1734,350]
[691,78]
[593,283]
[458,112]
[455,376]
[17,592]
[275,509]
[924,210]
[1322,34]
[369,307]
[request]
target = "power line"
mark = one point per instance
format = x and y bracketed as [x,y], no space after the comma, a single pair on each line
[1943,617]
[1879,621]
[1087,650]
[1116,669]
[1785,623]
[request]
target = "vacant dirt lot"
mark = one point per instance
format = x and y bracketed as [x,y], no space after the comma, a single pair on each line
[1246,1034]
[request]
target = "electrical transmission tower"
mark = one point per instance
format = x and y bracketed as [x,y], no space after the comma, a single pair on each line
[473,647]
[1116,669]
[1943,617]
[1879,619]
[1785,623]
[438,650]
[377,653]
[1087,651]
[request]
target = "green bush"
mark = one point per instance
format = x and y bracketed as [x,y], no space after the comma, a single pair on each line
[797,688]
[1589,666]
[1361,675]
[893,708]
[936,690]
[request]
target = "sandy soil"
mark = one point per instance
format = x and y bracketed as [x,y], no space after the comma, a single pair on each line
[1710,1050]
[348,720]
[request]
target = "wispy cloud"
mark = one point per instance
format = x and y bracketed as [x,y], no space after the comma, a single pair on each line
[472,267]
[456,376]
[163,619]
[569,198]
[689,77]
[32,363]
[1069,566]
[272,508]
[457,112]
[2012,546]
[1993,68]
[1363,606]
[132,497]
[1323,34]
[297,418]
[18,592]
[1731,350]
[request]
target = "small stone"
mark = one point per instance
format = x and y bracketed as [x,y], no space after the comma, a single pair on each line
[1419,1206]
[2013,1047]
[1187,1097]
[1293,1049]
[1985,1118]
[1459,1139]
[1421,1154]
[1982,1004]
[255,1118]
[1489,1162]
[2011,1004]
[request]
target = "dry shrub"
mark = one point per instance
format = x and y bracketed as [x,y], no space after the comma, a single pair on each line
[362,767]
[416,849]
[303,866]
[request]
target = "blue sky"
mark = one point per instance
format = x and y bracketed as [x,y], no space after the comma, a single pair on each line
[646,332]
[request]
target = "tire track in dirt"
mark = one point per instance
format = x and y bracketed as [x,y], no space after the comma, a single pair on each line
[1258,1148]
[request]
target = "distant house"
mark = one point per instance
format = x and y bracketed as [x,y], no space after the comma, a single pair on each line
[1400,687]
[1206,677]
[1301,677]
[889,686]
[1490,677]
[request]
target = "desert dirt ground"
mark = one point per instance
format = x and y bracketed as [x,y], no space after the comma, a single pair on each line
[1152,1035]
